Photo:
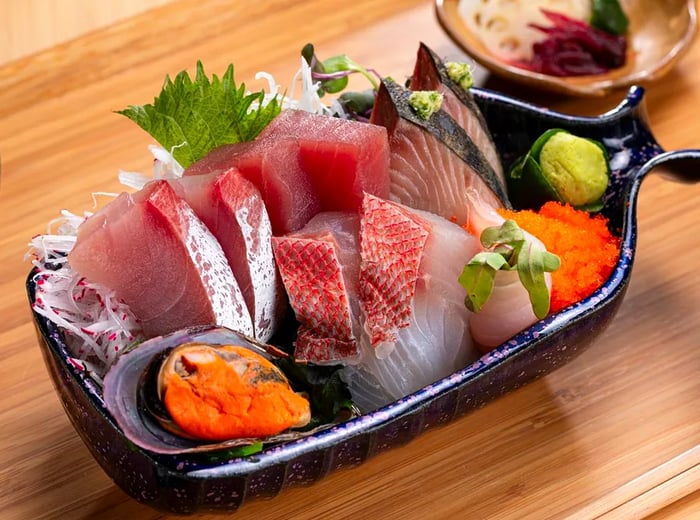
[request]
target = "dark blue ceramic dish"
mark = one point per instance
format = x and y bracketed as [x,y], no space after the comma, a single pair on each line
[197,483]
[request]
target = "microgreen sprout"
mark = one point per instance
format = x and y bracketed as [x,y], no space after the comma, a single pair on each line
[507,249]
[333,72]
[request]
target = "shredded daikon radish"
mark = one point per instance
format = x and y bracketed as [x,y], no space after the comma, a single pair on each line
[503,25]
[96,325]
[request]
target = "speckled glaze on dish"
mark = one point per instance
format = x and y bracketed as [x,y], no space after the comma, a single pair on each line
[199,483]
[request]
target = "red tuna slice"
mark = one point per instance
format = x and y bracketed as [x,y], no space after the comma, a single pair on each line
[233,210]
[433,163]
[342,158]
[319,266]
[391,246]
[430,73]
[160,259]
[275,170]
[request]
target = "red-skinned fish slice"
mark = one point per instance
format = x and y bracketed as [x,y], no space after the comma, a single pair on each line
[319,266]
[391,248]
[162,261]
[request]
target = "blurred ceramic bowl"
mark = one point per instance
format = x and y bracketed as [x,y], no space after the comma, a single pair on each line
[659,34]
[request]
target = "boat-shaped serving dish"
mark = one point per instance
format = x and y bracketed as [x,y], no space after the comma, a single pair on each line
[215,482]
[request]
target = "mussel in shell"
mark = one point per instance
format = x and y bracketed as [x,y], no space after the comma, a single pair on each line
[209,388]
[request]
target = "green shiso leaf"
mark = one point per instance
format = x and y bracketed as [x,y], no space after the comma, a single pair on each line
[192,117]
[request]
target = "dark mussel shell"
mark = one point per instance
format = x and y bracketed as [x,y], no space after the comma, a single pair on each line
[131,396]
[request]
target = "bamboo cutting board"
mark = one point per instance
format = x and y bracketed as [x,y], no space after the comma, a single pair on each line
[614,434]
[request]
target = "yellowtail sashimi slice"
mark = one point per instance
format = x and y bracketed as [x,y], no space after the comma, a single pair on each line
[432,162]
[430,73]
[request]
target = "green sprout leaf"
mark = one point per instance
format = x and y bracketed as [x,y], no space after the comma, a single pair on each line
[333,73]
[533,262]
[507,249]
[478,278]
[192,117]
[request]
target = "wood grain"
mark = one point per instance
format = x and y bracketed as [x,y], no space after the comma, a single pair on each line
[617,425]
[29,26]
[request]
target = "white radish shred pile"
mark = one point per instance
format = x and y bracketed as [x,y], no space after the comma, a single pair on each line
[503,25]
[97,326]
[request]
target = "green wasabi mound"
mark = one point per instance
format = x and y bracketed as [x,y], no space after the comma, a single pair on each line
[425,102]
[563,167]
[460,73]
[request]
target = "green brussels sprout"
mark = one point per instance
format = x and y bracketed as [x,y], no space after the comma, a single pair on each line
[563,167]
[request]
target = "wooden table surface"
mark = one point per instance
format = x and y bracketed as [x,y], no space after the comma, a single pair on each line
[614,434]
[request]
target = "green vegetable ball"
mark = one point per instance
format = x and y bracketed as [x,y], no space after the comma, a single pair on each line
[576,168]
[563,167]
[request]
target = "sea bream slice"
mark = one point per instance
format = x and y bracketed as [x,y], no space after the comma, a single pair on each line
[415,324]
[320,269]
[391,248]
[430,73]
[153,251]
[433,162]
[233,210]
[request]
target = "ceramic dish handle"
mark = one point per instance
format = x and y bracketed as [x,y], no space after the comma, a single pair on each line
[679,165]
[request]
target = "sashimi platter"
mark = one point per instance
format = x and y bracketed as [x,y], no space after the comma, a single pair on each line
[313,273]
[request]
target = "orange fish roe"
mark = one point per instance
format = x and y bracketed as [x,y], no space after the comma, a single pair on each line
[587,249]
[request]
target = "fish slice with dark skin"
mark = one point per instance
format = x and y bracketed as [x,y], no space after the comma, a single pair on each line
[153,251]
[430,73]
[433,162]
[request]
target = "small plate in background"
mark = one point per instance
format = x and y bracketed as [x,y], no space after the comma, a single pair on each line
[659,34]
